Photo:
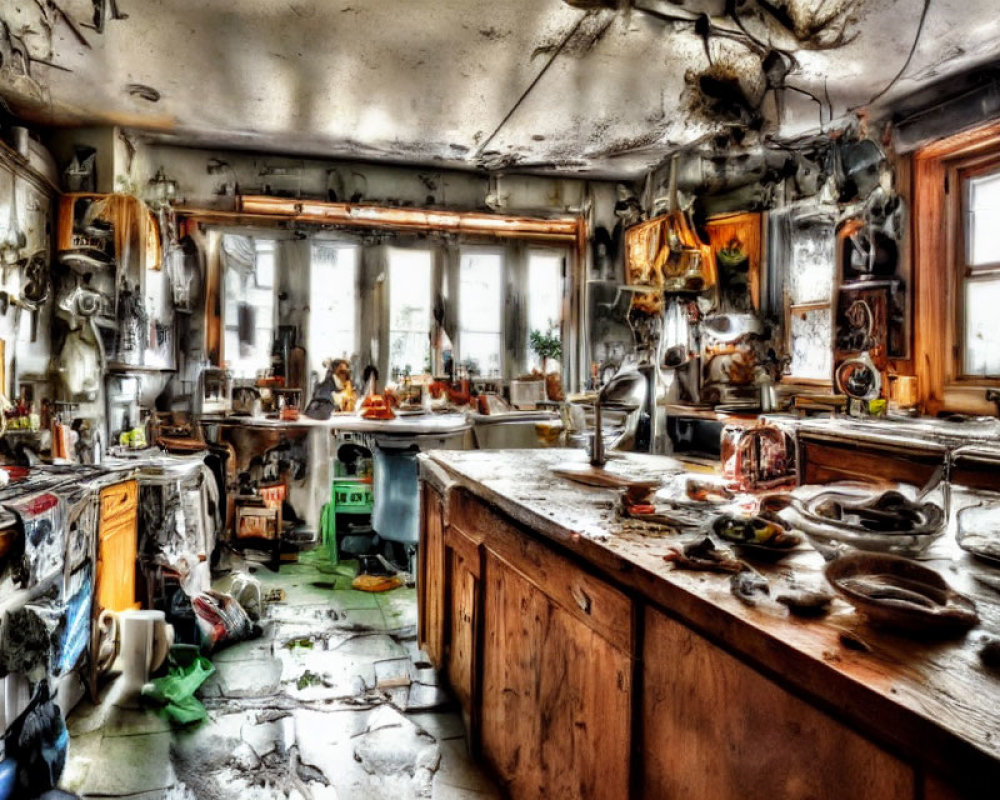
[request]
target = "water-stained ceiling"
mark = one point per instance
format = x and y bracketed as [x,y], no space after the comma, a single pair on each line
[605,87]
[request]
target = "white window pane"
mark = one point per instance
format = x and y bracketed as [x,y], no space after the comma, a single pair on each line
[984,237]
[545,297]
[242,287]
[810,339]
[262,300]
[982,218]
[811,265]
[982,333]
[264,264]
[409,353]
[984,192]
[232,345]
[409,310]
[480,305]
[333,303]
[230,311]
[480,291]
[481,353]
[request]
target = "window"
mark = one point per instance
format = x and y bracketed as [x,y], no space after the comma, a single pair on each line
[545,297]
[333,315]
[409,311]
[808,298]
[250,266]
[480,303]
[979,271]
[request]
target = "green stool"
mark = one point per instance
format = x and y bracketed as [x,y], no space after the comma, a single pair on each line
[347,496]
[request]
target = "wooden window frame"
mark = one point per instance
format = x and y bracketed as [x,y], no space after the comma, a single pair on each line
[938,233]
[958,173]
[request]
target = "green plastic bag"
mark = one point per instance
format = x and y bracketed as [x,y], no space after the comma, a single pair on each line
[175,691]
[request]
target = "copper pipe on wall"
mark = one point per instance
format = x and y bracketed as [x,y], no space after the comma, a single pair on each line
[370,216]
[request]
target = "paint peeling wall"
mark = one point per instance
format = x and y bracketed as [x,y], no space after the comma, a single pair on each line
[208,178]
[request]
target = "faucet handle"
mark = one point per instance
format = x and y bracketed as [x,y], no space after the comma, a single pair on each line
[993,396]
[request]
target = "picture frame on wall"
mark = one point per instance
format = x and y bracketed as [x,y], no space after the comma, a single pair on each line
[737,241]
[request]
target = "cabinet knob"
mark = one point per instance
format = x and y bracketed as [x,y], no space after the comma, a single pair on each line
[582,599]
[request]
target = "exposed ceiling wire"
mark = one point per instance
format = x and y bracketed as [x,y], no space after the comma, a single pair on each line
[909,57]
[811,96]
[555,54]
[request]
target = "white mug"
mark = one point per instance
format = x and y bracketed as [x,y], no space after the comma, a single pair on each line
[145,639]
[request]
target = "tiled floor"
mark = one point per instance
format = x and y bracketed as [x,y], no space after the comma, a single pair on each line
[333,701]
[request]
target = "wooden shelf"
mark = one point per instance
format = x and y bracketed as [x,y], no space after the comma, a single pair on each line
[117,367]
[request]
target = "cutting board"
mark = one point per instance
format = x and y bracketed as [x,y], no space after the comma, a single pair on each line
[597,476]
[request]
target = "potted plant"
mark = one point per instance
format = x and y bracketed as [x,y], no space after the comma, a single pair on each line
[546,345]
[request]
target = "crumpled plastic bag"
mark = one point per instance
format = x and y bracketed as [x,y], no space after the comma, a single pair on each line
[222,620]
[175,691]
[247,590]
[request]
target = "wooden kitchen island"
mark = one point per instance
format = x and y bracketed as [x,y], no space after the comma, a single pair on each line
[588,667]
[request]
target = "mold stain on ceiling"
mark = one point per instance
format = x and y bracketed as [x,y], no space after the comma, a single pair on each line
[603,87]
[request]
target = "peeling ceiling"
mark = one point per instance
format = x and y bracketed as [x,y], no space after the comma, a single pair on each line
[602,87]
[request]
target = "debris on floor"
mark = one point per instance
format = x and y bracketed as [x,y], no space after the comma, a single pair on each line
[333,700]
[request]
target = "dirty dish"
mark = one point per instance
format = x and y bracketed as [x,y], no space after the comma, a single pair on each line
[874,520]
[756,535]
[979,531]
[897,593]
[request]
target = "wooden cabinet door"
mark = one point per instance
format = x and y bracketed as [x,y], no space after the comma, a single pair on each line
[116,547]
[431,578]
[116,565]
[556,696]
[119,501]
[713,727]
[463,571]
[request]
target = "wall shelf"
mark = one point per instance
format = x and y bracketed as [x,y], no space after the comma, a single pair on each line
[117,367]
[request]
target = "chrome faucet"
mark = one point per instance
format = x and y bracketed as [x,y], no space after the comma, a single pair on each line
[626,391]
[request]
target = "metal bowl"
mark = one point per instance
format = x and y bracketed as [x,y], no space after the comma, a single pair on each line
[898,593]
[833,534]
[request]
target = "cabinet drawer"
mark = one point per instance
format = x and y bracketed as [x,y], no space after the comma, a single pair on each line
[119,499]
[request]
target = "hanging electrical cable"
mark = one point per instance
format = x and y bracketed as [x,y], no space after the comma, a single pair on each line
[909,57]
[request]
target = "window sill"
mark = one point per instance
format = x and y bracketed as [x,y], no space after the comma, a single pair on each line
[969,398]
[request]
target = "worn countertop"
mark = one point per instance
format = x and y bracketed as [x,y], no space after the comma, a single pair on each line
[933,700]
[922,433]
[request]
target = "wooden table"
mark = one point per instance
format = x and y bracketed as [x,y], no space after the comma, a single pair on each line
[588,667]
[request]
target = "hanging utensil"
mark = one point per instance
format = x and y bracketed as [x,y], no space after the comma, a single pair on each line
[15,240]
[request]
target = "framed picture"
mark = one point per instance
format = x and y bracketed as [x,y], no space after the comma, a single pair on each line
[737,245]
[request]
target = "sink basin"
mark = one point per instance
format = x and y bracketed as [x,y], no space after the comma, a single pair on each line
[509,431]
